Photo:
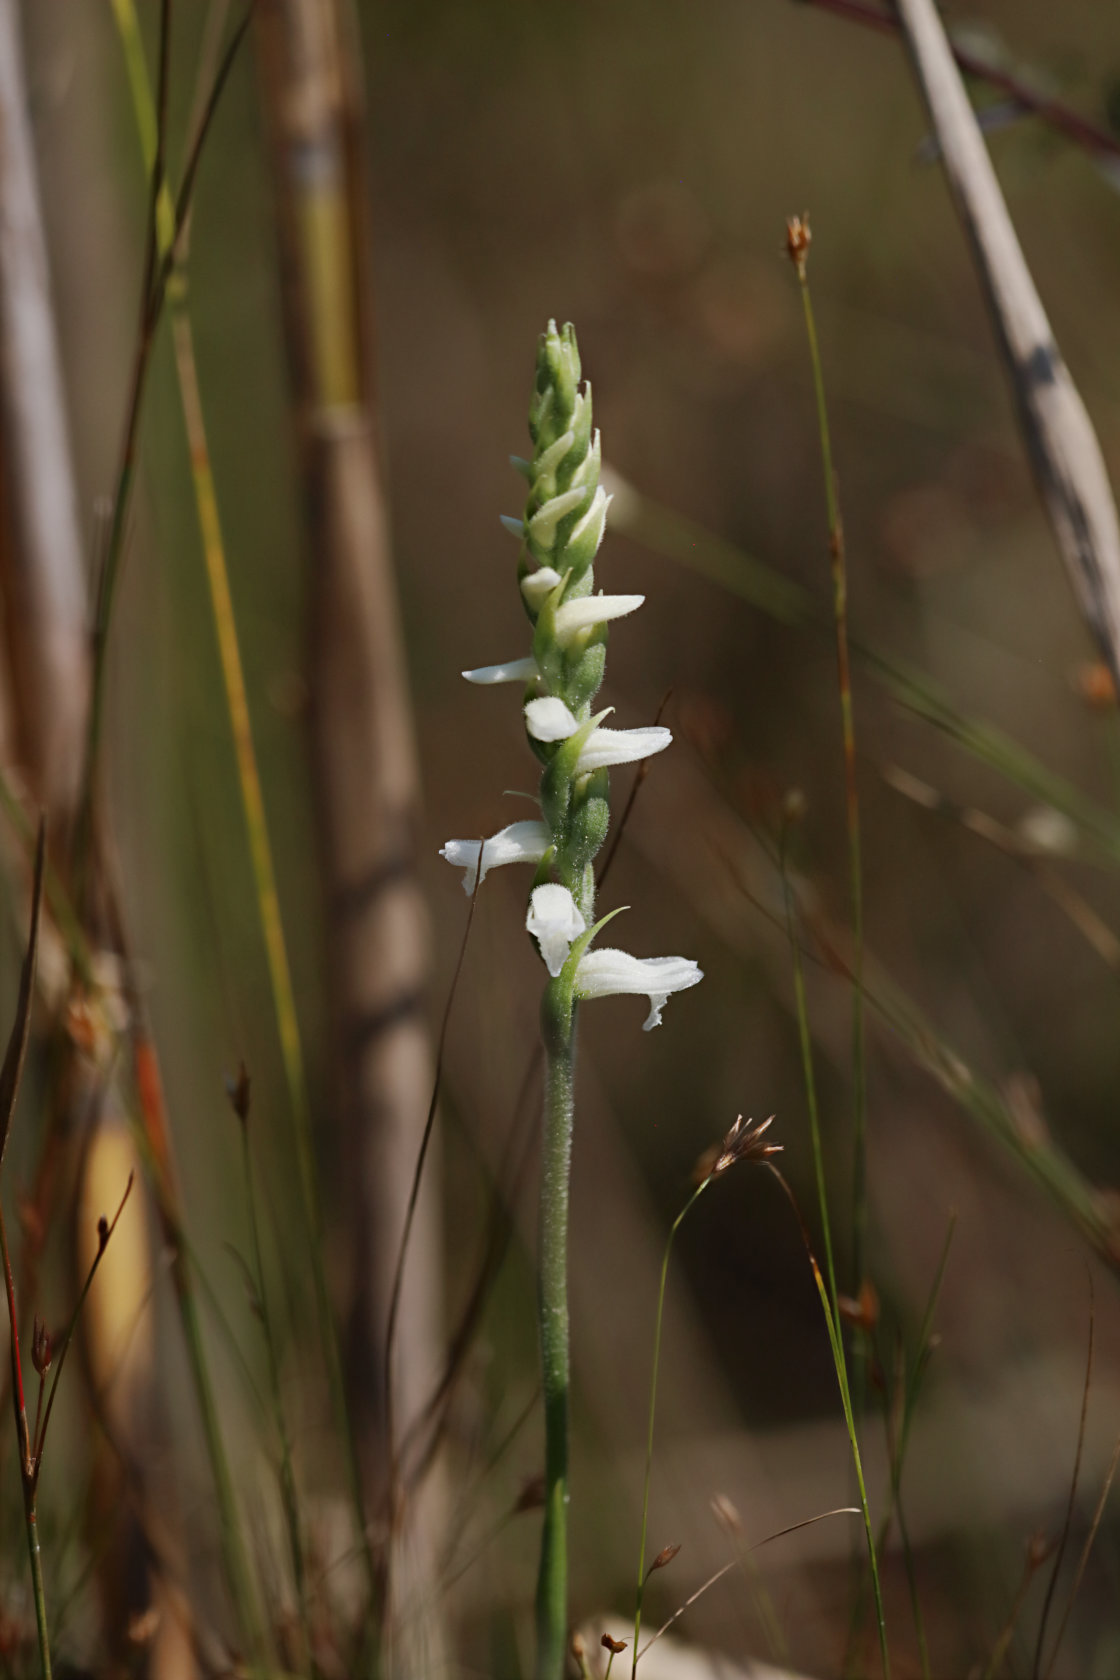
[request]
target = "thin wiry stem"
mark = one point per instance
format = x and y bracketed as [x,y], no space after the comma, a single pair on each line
[39,1440]
[169,225]
[159,265]
[808,1072]
[794,1528]
[1075,1585]
[1067,1522]
[640,1594]
[763,587]
[417,1179]
[288,1494]
[855,863]
[836,1345]
[26,1461]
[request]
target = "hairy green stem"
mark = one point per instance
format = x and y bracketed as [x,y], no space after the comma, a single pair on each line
[558,1024]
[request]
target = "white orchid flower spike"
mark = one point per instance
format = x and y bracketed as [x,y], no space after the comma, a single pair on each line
[521,842]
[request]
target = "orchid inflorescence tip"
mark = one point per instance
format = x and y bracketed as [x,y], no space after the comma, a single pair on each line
[559,533]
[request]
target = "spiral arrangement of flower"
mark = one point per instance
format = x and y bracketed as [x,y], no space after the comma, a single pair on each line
[559,535]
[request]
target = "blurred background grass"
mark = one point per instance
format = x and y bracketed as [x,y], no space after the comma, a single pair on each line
[630,168]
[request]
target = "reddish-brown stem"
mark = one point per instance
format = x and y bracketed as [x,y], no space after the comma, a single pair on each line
[1080,130]
[17,1369]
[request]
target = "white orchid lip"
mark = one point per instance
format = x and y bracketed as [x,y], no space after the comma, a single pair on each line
[514,670]
[605,747]
[554,920]
[521,842]
[537,586]
[610,973]
[589,610]
[549,719]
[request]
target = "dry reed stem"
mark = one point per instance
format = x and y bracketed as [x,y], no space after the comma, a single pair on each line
[1061,443]
[1079,130]
[44,582]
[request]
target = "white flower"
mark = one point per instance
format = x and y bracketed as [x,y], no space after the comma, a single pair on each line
[607,973]
[605,747]
[548,719]
[536,585]
[590,610]
[554,920]
[521,842]
[514,670]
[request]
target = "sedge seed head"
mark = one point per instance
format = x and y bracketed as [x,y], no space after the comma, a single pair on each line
[42,1351]
[798,240]
[744,1142]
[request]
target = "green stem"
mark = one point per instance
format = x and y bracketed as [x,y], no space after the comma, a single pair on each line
[855,866]
[234,1553]
[809,1073]
[558,1025]
[700,1188]
[288,1494]
[37,1581]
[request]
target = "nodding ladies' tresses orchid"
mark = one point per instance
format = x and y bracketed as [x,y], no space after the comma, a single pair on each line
[559,534]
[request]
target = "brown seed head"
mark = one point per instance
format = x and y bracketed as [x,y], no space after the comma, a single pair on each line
[239,1092]
[41,1350]
[664,1557]
[798,240]
[861,1312]
[614,1646]
[102,1234]
[744,1142]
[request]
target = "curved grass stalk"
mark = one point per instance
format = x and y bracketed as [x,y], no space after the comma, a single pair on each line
[248,774]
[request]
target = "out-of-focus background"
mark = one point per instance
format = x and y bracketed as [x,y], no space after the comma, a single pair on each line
[630,168]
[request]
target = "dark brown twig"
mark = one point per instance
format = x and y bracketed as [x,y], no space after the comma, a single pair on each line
[1090,136]
[105,1231]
